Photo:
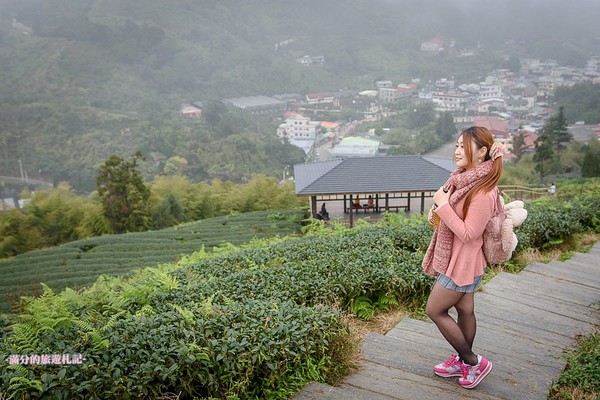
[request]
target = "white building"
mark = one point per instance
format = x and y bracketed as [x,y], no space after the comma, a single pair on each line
[298,127]
[356,147]
[392,95]
[444,84]
[425,95]
[449,101]
[489,90]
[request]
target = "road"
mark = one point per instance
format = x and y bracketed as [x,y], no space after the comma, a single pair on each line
[14,179]
[446,151]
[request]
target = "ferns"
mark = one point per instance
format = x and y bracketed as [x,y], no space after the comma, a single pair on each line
[43,314]
[92,312]
[363,308]
[366,308]
[95,335]
[23,385]
[188,316]
[385,303]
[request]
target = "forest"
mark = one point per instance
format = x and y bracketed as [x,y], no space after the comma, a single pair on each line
[83,80]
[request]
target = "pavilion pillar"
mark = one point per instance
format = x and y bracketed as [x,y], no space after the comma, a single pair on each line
[351,213]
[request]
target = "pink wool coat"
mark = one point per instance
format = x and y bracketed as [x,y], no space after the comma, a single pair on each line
[467,260]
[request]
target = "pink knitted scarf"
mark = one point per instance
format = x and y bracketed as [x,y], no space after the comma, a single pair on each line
[461,181]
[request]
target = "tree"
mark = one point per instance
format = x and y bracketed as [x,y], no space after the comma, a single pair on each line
[513,64]
[124,195]
[518,144]
[543,153]
[174,165]
[445,127]
[580,102]
[560,131]
[15,233]
[591,161]
[213,112]
[420,116]
[168,213]
[551,142]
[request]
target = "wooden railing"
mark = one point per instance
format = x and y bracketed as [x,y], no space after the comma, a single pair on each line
[513,192]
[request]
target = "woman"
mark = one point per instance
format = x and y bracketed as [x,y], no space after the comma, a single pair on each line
[464,205]
[323,213]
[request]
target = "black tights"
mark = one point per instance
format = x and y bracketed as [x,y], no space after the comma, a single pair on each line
[461,333]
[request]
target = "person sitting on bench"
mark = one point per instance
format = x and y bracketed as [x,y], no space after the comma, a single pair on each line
[323,214]
[369,203]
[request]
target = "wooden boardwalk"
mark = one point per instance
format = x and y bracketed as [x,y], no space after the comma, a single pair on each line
[525,321]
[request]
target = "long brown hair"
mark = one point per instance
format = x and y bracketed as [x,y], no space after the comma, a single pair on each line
[482,138]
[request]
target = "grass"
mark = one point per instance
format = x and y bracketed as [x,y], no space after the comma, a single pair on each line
[580,380]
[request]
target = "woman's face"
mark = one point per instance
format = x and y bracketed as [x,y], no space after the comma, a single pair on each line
[460,158]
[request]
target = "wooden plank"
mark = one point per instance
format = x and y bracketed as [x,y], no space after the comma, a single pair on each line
[553,311]
[558,289]
[321,391]
[522,352]
[588,265]
[565,274]
[405,385]
[589,268]
[505,381]
[590,257]
[528,319]
[555,290]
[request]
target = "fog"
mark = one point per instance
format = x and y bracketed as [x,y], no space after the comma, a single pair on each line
[102,68]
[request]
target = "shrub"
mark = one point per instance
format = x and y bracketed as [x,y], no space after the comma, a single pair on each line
[549,222]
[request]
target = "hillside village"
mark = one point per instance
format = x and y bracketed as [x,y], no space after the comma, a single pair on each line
[507,103]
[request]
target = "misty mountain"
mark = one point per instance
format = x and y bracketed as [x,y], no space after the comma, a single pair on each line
[82,79]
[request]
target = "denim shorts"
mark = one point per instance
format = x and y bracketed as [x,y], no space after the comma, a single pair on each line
[449,284]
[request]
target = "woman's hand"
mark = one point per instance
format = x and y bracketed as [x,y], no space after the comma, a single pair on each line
[441,197]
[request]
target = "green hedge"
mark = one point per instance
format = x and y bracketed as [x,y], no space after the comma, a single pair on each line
[249,323]
[552,221]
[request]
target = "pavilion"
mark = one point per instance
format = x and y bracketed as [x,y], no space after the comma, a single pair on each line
[394,182]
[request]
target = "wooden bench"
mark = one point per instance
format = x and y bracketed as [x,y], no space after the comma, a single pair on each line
[390,208]
[380,209]
[357,209]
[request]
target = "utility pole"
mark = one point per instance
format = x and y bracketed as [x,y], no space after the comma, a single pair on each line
[21,169]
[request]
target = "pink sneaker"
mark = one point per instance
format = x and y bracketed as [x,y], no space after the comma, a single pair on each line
[473,374]
[450,367]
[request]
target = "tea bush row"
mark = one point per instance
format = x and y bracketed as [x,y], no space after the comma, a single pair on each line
[239,323]
[223,352]
[244,323]
[553,221]
[120,254]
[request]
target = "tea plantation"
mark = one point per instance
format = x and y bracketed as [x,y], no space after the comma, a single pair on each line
[79,264]
[253,322]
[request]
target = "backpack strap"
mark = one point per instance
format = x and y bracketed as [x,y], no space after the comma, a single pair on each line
[500,206]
